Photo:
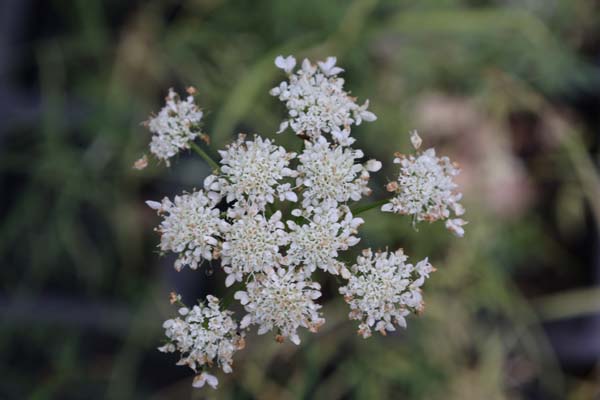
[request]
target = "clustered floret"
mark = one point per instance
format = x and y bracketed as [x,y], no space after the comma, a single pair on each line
[204,335]
[330,174]
[252,172]
[425,188]
[317,102]
[316,244]
[174,127]
[282,301]
[273,217]
[383,289]
[253,244]
[191,228]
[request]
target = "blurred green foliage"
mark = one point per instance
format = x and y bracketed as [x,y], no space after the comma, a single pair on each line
[84,294]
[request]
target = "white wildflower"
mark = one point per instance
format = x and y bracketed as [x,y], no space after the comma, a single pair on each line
[282,301]
[316,99]
[204,335]
[205,378]
[328,67]
[330,173]
[415,139]
[190,227]
[384,289]
[174,127]
[425,189]
[342,136]
[252,172]
[316,244]
[251,244]
[273,248]
[285,63]
[456,226]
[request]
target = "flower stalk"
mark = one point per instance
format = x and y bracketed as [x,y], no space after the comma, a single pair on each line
[361,208]
[213,164]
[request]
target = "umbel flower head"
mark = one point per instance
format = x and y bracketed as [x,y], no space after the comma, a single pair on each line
[330,174]
[425,188]
[316,243]
[383,289]
[252,172]
[271,218]
[283,301]
[252,244]
[174,127]
[191,227]
[316,100]
[204,335]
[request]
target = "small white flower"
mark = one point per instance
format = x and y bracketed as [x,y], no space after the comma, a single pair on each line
[204,335]
[373,165]
[456,226]
[330,174]
[285,63]
[251,244]
[190,227]
[362,114]
[384,289]
[317,102]
[425,189]
[252,172]
[342,137]
[174,127]
[328,67]
[316,244]
[415,139]
[282,301]
[200,380]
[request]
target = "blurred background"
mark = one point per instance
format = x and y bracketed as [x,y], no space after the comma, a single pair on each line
[510,89]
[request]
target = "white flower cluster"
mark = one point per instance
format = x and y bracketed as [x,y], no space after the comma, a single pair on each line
[273,217]
[316,244]
[383,290]
[282,301]
[174,127]
[204,335]
[253,244]
[317,102]
[191,227]
[425,188]
[252,171]
[330,174]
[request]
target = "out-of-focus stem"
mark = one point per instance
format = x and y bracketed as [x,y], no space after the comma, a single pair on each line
[213,164]
[366,207]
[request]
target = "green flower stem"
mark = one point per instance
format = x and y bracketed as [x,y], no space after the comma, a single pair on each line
[213,164]
[361,208]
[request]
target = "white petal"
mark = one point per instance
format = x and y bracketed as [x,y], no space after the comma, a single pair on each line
[373,165]
[285,63]
[387,207]
[212,380]
[283,126]
[230,280]
[368,116]
[295,339]
[291,196]
[199,381]
[155,205]
[247,320]
[415,139]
